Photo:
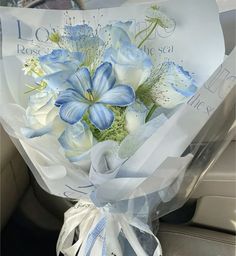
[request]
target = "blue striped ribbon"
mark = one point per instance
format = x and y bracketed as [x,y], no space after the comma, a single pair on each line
[92,237]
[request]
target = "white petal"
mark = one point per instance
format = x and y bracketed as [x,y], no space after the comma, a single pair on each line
[132,76]
[135,116]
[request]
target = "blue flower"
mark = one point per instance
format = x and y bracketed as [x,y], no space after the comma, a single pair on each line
[61,59]
[82,38]
[173,85]
[58,66]
[77,31]
[131,65]
[92,95]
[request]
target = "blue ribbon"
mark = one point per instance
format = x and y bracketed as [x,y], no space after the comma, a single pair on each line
[92,237]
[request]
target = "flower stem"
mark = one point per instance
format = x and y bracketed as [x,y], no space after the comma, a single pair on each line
[147,36]
[140,32]
[59,45]
[150,113]
[32,89]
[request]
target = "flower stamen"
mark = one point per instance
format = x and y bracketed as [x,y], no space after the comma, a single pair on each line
[89,95]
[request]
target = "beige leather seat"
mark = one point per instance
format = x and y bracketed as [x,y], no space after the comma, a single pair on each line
[215,210]
[180,240]
[13,175]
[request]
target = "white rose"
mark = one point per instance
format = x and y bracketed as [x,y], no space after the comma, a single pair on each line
[174,85]
[135,116]
[132,66]
[41,114]
[76,141]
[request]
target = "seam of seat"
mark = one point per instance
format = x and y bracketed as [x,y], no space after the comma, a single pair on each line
[203,237]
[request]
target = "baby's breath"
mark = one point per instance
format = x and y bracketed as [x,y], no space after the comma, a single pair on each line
[32,67]
[116,132]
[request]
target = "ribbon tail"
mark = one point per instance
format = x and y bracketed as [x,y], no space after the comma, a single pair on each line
[93,235]
[113,229]
[84,245]
[143,227]
[73,218]
[83,230]
[67,232]
[132,237]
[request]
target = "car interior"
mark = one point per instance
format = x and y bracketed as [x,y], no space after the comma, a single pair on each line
[31,218]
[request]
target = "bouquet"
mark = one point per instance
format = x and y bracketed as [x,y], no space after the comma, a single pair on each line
[111,112]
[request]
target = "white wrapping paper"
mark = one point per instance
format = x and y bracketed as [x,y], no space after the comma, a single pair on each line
[119,192]
[24,37]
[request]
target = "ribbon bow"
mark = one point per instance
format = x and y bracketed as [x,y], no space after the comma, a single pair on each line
[99,231]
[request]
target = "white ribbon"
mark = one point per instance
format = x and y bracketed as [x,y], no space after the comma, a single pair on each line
[98,232]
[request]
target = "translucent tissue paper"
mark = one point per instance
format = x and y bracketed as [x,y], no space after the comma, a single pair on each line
[120,183]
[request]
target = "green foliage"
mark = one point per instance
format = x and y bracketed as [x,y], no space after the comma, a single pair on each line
[116,132]
[144,94]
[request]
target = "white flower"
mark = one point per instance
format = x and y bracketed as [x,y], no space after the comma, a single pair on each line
[77,140]
[173,85]
[155,15]
[40,114]
[131,65]
[135,116]
[116,34]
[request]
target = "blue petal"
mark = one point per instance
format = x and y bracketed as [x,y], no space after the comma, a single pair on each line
[78,56]
[70,64]
[79,30]
[69,95]
[110,55]
[88,45]
[73,111]
[53,67]
[126,26]
[55,55]
[103,79]
[61,59]
[130,54]
[82,38]
[120,95]
[60,56]
[81,81]
[187,92]
[64,141]
[56,81]
[101,116]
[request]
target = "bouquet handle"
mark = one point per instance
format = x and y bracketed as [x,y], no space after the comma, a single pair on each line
[95,226]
